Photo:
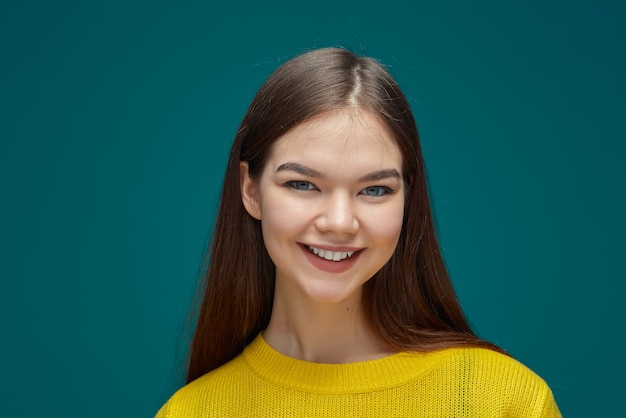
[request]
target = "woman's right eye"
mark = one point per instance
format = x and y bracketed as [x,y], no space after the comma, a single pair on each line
[300,185]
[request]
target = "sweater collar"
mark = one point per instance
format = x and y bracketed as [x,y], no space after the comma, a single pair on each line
[364,376]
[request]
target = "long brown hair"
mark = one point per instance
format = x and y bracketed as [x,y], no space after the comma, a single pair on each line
[410,302]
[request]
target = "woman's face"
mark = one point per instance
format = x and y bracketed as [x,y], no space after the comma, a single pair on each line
[330,200]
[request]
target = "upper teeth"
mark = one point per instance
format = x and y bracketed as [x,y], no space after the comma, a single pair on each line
[330,255]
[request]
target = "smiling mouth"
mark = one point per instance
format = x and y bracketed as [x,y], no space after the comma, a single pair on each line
[330,255]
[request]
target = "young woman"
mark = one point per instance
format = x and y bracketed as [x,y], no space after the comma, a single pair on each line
[326,293]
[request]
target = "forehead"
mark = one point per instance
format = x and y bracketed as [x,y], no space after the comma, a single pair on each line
[338,140]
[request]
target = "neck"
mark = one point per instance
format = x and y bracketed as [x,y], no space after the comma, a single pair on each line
[322,332]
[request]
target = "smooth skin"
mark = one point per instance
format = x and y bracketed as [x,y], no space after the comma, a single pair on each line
[333,184]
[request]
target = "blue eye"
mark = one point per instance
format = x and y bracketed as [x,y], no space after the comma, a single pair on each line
[300,185]
[376,191]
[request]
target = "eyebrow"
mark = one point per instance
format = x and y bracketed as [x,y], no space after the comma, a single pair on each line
[300,169]
[309,172]
[381,174]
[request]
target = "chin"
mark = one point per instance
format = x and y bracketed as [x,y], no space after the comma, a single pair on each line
[334,296]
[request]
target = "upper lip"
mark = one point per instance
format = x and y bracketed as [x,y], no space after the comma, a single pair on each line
[334,248]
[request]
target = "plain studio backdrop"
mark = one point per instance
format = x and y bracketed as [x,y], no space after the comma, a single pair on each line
[115,122]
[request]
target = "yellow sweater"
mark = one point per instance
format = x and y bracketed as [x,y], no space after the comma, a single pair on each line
[456,382]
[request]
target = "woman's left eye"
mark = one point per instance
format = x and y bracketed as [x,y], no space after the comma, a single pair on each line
[376,191]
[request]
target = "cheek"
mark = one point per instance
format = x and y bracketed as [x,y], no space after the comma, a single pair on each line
[389,230]
[281,219]
[386,224]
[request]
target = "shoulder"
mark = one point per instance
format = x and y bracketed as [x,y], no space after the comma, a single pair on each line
[487,368]
[225,382]
[476,359]
[486,376]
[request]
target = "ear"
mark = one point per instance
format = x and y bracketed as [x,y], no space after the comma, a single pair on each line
[249,192]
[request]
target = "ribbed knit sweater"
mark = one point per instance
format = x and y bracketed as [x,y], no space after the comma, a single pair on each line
[455,382]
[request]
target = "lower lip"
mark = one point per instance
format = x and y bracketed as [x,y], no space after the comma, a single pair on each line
[328,265]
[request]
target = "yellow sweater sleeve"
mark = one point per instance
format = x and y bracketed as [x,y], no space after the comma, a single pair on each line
[457,382]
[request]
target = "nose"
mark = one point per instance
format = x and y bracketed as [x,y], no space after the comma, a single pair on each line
[338,215]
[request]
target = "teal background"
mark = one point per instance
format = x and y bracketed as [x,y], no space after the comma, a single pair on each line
[115,122]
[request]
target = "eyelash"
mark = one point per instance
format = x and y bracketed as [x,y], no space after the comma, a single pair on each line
[295,183]
[304,185]
[385,191]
